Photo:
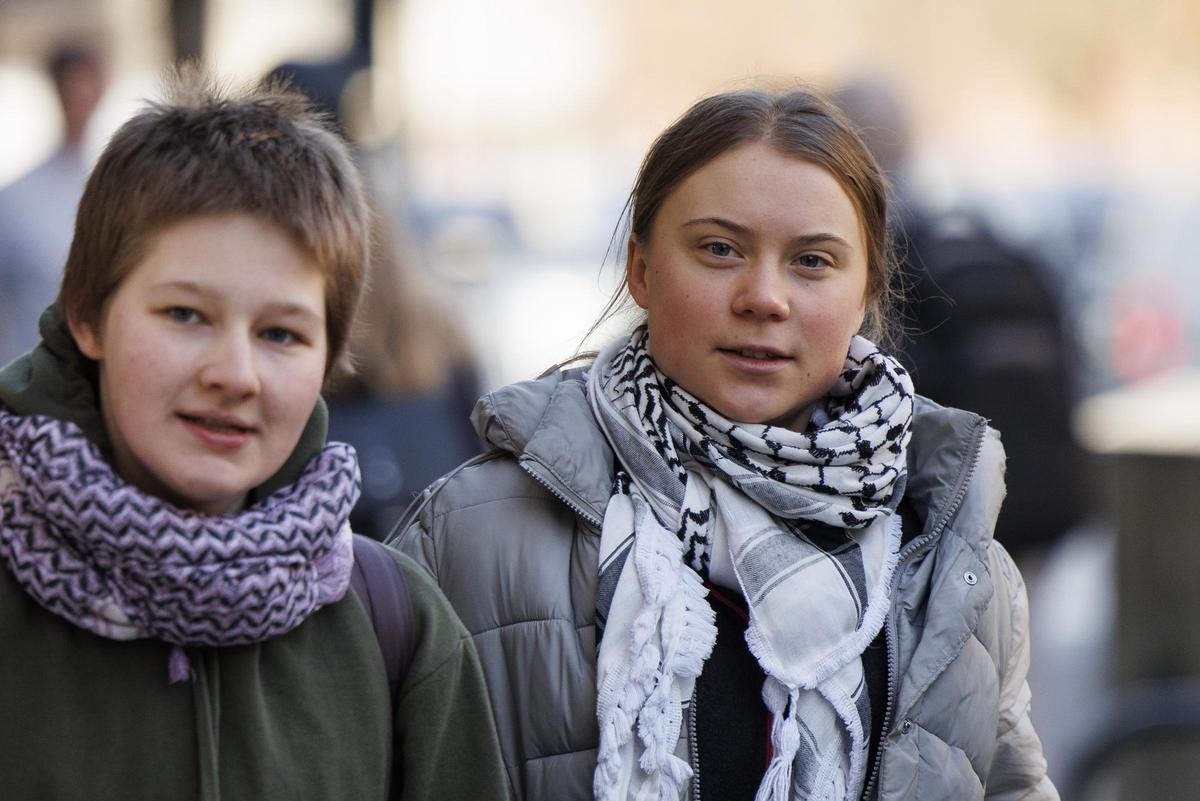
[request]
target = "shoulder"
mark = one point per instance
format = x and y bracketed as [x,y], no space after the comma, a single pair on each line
[488,479]
[481,501]
[438,634]
[547,461]
[516,416]
[955,473]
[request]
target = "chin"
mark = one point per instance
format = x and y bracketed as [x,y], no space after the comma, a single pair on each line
[205,496]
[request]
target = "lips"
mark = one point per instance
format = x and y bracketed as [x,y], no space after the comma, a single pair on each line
[755,360]
[218,433]
[756,352]
[219,424]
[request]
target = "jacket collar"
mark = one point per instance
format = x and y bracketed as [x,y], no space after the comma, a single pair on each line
[548,426]
[956,470]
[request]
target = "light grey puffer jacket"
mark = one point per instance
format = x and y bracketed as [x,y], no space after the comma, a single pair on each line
[512,539]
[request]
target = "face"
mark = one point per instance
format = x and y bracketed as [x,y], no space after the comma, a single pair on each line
[754,280]
[212,353]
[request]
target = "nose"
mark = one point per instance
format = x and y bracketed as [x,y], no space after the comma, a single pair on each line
[761,293]
[230,366]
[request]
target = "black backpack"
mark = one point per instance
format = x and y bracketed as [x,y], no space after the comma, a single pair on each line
[988,335]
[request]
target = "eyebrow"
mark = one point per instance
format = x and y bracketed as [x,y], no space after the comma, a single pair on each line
[738,228]
[284,308]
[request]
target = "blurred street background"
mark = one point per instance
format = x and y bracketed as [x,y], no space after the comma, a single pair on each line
[500,140]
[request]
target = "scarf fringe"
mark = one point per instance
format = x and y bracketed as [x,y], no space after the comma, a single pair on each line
[783,704]
[676,614]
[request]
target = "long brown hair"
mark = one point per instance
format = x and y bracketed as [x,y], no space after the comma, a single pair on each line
[798,122]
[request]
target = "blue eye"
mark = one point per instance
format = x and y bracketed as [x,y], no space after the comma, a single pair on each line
[182,314]
[811,261]
[280,336]
[719,249]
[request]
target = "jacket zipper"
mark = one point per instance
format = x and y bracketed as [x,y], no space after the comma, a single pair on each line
[694,749]
[578,508]
[575,506]
[909,552]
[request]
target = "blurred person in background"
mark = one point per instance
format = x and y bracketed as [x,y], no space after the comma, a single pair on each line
[987,333]
[737,556]
[37,211]
[406,407]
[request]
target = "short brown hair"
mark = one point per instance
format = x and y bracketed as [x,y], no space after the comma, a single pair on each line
[205,150]
[799,123]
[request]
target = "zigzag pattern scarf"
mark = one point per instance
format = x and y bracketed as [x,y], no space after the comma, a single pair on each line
[751,506]
[125,565]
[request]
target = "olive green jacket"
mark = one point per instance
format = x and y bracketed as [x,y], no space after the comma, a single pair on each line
[305,715]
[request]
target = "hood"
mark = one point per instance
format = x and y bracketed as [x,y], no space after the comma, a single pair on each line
[956,471]
[547,425]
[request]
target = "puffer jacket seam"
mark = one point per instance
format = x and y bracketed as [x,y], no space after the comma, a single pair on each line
[419,511]
[527,621]
[438,515]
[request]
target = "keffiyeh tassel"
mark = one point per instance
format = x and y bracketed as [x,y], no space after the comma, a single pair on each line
[670,638]
[776,784]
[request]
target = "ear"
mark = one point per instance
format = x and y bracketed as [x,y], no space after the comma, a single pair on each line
[87,338]
[635,273]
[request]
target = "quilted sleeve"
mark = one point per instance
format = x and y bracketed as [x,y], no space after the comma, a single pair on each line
[446,742]
[1019,768]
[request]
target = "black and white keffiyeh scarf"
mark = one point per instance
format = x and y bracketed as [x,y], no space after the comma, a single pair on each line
[123,564]
[700,497]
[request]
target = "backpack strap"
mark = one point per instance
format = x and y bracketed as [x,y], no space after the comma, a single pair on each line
[379,583]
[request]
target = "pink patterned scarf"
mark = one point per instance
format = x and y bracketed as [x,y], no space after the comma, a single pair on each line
[125,565]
